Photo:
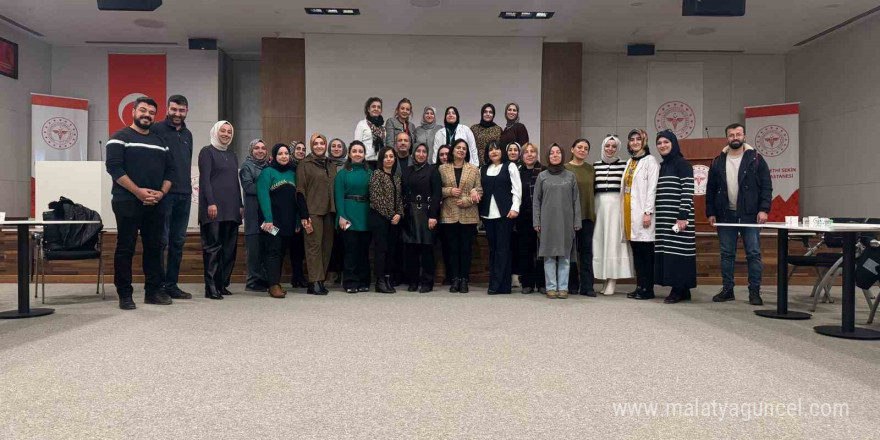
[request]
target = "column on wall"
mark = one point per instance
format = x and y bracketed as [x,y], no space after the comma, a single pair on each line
[561,81]
[283,90]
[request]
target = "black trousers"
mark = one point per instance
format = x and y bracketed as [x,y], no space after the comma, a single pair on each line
[297,249]
[420,264]
[219,243]
[256,262]
[530,266]
[385,239]
[356,270]
[274,247]
[133,217]
[581,278]
[498,232]
[643,256]
[461,240]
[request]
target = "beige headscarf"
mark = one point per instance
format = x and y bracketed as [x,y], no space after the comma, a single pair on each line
[215,135]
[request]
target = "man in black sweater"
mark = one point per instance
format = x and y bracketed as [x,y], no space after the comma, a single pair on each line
[141,168]
[739,190]
[176,204]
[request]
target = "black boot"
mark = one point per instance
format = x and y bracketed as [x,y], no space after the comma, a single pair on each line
[634,292]
[674,297]
[644,294]
[726,294]
[425,288]
[212,293]
[755,298]
[313,289]
[321,289]
[126,303]
[413,287]
[382,285]
[453,285]
[463,285]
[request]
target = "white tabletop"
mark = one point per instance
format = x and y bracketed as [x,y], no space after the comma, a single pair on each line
[837,227]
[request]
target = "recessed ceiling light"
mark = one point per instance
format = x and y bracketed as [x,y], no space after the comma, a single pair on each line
[424,3]
[333,11]
[149,23]
[700,31]
[512,15]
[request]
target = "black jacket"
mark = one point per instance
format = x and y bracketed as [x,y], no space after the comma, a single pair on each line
[755,187]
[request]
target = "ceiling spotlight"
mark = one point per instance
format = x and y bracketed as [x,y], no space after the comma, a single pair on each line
[314,10]
[348,11]
[525,14]
[509,15]
[333,11]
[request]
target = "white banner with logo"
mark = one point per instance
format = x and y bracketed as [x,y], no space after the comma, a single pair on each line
[675,99]
[59,128]
[773,131]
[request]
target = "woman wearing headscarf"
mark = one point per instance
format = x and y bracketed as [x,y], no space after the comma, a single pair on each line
[514,155]
[611,255]
[351,191]
[556,218]
[337,155]
[257,159]
[638,192]
[585,176]
[371,130]
[386,212]
[526,239]
[675,246]
[452,131]
[220,209]
[399,123]
[514,131]
[424,133]
[499,207]
[421,197]
[297,152]
[444,153]
[278,216]
[459,214]
[314,178]
[486,131]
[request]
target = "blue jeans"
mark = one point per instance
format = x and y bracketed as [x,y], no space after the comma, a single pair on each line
[173,235]
[556,268]
[751,241]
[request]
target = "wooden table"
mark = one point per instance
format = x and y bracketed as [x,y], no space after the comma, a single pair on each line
[850,232]
[23,227]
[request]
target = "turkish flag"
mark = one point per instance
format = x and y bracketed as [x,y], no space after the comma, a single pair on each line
[131,76]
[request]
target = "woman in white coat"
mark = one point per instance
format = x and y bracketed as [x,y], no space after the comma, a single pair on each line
[637,196]
[453,131]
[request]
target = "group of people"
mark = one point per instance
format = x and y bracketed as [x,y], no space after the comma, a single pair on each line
[405,189]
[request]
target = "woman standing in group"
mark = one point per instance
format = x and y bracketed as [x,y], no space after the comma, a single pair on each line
[386,212]
[296,153]
[585,176]
[276,193]
[444,154]
[421,198]
[399,123]
[611,258]
[220,209]
[424,134]
[514,131]
[486,131]
[371,130]
[314,178]
[638,193]
[459,215]
[351,190]
[557,218]
[526,239]
[257,159]
[676,259]
[337,156]
[452,131]
[499,207]
[514,154]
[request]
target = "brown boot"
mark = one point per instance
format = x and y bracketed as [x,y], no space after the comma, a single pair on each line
[276,292]
[562,294]
[551,294]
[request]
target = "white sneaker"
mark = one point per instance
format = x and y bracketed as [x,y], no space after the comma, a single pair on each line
[514,281]
[609,288]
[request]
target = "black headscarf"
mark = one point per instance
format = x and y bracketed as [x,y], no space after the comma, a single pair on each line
[676,149]
[450,128]
[278,166]
[483,122]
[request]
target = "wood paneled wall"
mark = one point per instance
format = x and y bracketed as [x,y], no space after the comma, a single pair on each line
[283,90]
[561,82]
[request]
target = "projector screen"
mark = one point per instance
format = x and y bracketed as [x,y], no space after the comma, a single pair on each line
[342,71]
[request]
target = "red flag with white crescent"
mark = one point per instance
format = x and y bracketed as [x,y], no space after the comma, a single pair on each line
[131,76]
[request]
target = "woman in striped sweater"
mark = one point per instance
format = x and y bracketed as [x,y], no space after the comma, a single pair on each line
[675,245]
[611,256]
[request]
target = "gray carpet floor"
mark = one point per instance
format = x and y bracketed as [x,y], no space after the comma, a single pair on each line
[437,365]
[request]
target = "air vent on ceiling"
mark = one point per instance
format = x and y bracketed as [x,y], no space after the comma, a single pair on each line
[21,26]
[834,28]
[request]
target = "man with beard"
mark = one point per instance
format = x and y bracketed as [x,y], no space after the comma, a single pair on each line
[403,147]
[176,204]
[739,190]
[142,169]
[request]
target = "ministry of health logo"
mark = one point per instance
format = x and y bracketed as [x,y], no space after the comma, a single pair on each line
[60,133]
[772,141]
[194,182]
[701,178]
[677,116]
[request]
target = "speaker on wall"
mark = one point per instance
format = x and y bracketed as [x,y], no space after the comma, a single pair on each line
[203,43]
[713,8]
[128,5]
[634,50]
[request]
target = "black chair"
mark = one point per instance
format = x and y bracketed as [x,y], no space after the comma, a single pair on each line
[43,256]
